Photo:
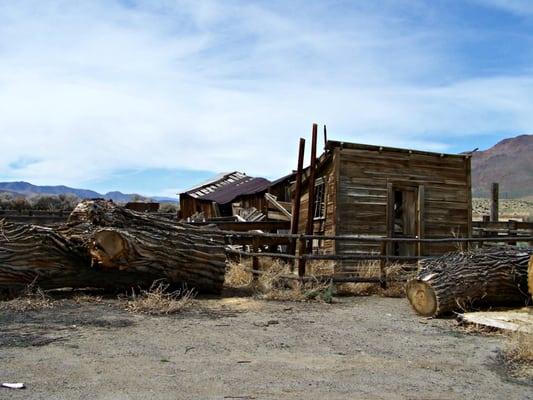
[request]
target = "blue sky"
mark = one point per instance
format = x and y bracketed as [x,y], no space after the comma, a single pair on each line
[154,96]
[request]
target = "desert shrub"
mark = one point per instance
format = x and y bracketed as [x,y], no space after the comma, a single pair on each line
[520,347]
[20,204]
[63,202]
[158,300]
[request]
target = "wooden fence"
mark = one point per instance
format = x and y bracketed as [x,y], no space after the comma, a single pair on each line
[254,245]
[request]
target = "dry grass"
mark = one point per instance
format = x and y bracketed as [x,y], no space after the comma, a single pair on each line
[520,348]
[159,301]
[84,298]
[397,273]
[272,283]
[32,298]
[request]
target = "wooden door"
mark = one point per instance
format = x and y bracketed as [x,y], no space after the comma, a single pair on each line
[403,217]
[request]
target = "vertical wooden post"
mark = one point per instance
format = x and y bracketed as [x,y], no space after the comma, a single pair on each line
[297,199]
[511,231]
[468,167]
[255,261]
[383,265]
[421,220]
[301,252]
[389,220]
[494,197]
[311,190]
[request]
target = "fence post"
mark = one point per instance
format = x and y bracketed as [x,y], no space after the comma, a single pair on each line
[295,220]
[383,265]
[302,250]
[494,197]
[511,230]
[255,261]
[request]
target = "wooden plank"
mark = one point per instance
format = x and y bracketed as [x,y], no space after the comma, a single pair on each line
[421,218]
[272,200]
[295,219]
[514,320]
[310,203]
[494,202]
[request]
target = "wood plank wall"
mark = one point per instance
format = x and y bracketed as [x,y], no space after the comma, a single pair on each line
[362,202]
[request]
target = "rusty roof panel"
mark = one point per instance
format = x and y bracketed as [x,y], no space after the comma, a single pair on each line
[226,187]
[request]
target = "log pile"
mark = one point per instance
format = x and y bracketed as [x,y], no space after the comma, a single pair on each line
[461,280]
[107,246]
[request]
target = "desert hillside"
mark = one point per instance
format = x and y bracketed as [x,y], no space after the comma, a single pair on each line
[509,162]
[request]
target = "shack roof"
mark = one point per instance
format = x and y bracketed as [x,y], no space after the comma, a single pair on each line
[331,144]
[225,187]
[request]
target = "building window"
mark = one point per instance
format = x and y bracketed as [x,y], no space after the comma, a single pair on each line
[320,203]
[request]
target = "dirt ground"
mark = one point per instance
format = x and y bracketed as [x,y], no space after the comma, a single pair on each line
[241,348]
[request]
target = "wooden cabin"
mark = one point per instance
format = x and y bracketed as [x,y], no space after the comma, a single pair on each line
[216,197]
[388,192]
[140,206]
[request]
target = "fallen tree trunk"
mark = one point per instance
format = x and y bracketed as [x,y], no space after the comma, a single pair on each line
[530,276]
[107,246]
[34,254]
[462,280]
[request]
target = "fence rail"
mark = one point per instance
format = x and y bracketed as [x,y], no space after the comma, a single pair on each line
[256,239]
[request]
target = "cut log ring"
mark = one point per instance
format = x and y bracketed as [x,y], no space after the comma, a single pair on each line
[422,298]
[108,250]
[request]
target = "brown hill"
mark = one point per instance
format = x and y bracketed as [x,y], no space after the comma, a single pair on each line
[510,163]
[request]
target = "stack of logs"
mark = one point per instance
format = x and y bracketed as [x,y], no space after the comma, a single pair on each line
[107,246]
[461,281]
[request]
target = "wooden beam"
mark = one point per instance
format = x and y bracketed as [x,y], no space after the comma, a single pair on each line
[389,220]
[311,189]
[494,197]
[420,218]
[297,199]
[272,200]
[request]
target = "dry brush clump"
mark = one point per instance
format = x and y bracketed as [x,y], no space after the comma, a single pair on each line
[520,347]
[158,300]
[273,283]
[32,298]
[397,275]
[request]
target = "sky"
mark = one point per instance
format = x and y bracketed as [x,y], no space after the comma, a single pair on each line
[154,96]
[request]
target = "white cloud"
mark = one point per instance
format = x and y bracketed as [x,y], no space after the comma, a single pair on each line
[87,89]
[520,7]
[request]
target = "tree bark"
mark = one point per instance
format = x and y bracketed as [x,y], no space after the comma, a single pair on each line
[530,277]
[107,246]
[462,280]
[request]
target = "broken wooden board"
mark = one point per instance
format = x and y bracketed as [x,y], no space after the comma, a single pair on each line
[514,320]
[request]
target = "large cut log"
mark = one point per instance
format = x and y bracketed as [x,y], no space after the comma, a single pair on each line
[461,280]
[530,277]
[106,246]
[35,254]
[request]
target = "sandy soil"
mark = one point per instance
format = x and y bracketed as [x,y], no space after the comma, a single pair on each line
[240,348]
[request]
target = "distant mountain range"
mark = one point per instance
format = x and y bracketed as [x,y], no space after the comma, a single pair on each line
[25,189]
[510,163]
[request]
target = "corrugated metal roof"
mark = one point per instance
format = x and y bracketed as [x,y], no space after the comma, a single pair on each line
[226,187]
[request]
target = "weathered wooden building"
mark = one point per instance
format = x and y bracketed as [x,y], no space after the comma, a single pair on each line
[215,198]
[388,192]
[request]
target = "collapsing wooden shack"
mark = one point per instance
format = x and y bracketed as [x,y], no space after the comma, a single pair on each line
[220,196]
[387,192]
